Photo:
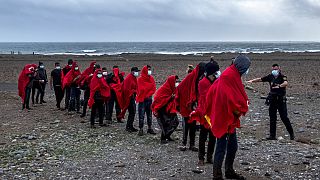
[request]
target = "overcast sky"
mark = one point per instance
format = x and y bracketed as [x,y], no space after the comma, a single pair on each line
[159,20]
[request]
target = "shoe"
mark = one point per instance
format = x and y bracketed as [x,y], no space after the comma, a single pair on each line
[151,131]
[129,130]
[28,108]
[209,160]
[43,102]
[140,132]
[292,137]
[271,138]
[134,129]
[201,163]
[78,112]
[82,115]
[193,148]
[82,121]
[109,121]
[183,148]
[231,174]
[217,174]
[102,125]
[170,139]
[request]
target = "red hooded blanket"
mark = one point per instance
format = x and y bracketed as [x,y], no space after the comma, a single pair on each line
[87,72]
[24,79]
[129,87]
[117,86]
[146,85]
[224,97]
[70,76]
[98,84]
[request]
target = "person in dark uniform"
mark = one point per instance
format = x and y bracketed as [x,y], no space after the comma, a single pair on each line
[65,70]
[276,100]
[55,83]
[42,75]
[113,102]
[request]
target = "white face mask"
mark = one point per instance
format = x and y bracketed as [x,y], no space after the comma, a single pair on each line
[70,65]
[149,72]
[105,73]
[99,75]
[58,67]
[76,68]
[275,72]
[218,73]
[41,66]
[246,72]
[136,74]
[176,84]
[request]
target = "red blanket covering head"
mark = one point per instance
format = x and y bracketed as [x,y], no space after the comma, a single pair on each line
[98,84]
[24,79]
[67,67]
[164,95]
[129,87]
[199,113]
[186,92]
[146,85]
[224,97]
[71,75]
[87,72]
[116,87]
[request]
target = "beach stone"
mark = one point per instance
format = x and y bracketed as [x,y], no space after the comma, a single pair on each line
[245,163]
[296,112]
[267,174]
[1,171]
[301,130]
[197,171]
[120,165]
[31,138]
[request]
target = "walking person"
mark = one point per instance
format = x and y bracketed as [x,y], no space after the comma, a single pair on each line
[55,84]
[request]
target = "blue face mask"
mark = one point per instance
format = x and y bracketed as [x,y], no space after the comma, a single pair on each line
[275,73]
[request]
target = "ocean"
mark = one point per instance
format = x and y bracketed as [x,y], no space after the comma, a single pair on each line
[184,48]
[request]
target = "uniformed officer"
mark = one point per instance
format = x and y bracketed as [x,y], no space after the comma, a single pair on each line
[276,100]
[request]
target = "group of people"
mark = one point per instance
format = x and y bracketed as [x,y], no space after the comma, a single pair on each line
[205,96]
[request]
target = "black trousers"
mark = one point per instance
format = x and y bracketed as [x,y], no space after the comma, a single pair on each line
[167,122]
[36,85]
[189,128]
[26,100]
[202,143]
[132,112]
[67,98]
[110,104]
[145,108]
[279,103]
[41,92]
[86,97]
[97,106]
[74,104]
[59,95]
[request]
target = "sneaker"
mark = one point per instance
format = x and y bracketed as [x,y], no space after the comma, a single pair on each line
[151,131]
[231,174]
[183,148]
[193,148]
[82,115]
[292,137]
[201,163]
[140,132]
[134,129]
[271,138]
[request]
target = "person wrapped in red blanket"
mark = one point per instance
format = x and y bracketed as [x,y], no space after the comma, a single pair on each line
[85,80]
[128,95]
[186,102]
[146,88]
[164,108]
[67,90]
[211,74]
[71,80]
[25,83]
[226,102]
[99,93]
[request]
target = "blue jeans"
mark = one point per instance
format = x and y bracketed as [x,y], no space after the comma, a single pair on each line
[75,99]
[145,108]
[227,142]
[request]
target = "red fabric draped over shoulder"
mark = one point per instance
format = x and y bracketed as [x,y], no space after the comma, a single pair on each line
[224,97]
[98,84]
[71,75]
[23,79]
[87,72]
[146,85]
[128,88]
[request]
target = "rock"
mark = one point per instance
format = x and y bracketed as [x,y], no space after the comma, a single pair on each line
[1,171]
[120,165]
[245,163]
[301,130]
[280,138]
[296,112]
[295,163]
[31,137]
[315,141]
[197,171]
[306,162]
[299,103]
[267,174]
[310,156]
[55,122]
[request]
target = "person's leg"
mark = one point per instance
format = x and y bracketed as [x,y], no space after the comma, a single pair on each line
[192,135]
[72,99]
[67,98]
[57,95]
[86,97]
[232,147]
[185,131]
[211,145]
[33,93]
[284,117]
[161,121]
[43,89]
[109,106]
[141,111]
[77,98]
[202,144]
[117,106]
[39,91]
[101,112]
[61,94]
[131,116]
[273,120]
[93,114]
[219,153]
[147,107]
[172,126]
[27,98]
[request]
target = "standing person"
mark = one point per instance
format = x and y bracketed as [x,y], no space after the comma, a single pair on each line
[226,101]
[66,89]
[55,83]
[164,109]
[42,75]
[85,79]
[128,96]
[276,100]
[186,98]
[146,88]
[36,86]
[72,80]
[211,74]
[114,79]
[99,93]
[25,83]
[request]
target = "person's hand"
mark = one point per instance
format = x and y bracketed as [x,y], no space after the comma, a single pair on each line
[249,82]
[276,87]
[90,75]
[42,81]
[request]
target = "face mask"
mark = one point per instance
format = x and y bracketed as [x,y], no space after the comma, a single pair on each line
[176,84]
[42,67]
[58,67]
[136,74]
[218,73]
[246,72]
[149,72]
[275,72]
[99,75]
[70,65]
[105,73]
[76,68]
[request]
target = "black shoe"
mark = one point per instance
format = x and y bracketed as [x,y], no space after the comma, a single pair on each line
[217,174]
[43,101]
[271,138]
[140,132]
[28,108]
[102,125]
[129,130]
[209,160]
[193,148]
[151,131]
[291,137]
[109,121]
[183,148]
[82,115]
[231,174]
[78,112]
[134,129]
[170,139]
